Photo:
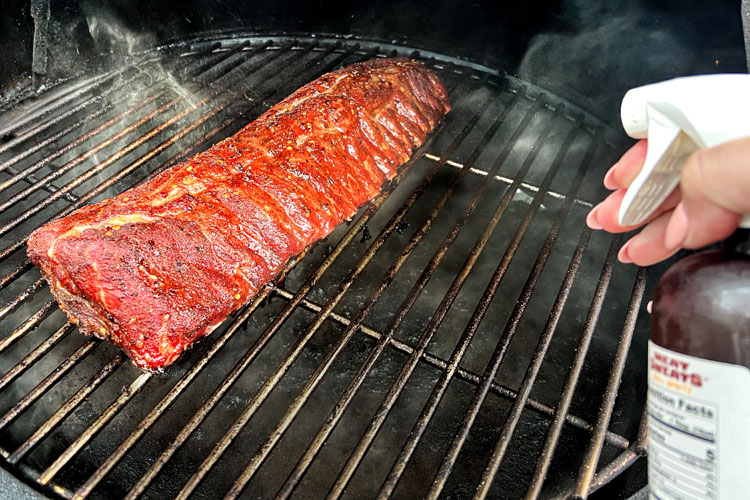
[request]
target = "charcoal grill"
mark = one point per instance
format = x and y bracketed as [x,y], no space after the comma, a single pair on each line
[464,336]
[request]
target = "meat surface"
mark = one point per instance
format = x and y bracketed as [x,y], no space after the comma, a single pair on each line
[161,265]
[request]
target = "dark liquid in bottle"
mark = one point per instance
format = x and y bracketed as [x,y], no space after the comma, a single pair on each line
[702,304]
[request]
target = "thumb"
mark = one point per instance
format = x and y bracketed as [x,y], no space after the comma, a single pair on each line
[715,189]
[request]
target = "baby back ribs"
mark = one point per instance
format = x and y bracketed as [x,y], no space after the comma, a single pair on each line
[161,265]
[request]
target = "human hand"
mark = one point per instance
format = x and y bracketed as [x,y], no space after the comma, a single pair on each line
[713,194]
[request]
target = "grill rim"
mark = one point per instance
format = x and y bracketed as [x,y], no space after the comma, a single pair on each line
[637,446]
[207,40]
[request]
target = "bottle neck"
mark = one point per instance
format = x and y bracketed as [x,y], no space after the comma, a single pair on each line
[739,242]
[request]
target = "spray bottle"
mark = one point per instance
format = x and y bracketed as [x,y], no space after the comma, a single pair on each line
[699,350]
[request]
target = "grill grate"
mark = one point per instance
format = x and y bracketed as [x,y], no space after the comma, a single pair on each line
[465,335]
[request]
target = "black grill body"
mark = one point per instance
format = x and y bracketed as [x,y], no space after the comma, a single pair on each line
[465,335]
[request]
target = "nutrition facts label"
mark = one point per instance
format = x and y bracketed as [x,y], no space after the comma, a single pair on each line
[683,434]
[698,437]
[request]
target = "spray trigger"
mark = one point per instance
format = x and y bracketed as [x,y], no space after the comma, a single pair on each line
[679,117]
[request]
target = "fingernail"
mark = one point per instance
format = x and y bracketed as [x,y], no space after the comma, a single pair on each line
[609,178]
[591,220]
[650,306]
[623,255]
[677,228]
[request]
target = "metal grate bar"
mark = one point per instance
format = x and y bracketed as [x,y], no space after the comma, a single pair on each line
[214,70]
[498,355]
[515,413]
[126,394]
[49,187]
[588,467]
[90,173]
[68,147]
[623,461]
[352,326]
[70,94]
[87,119]
[553,434]
[71,111]
[540,352]
[15,273]
[182,64]
[27,325]
[70,405]
[611,438]
[641,440]
[51,138]
[223,56]
[85,489]
[42,387]
[299,346]
[207,50]
[436,320]
[266,447]
[509,180]
[609,472]
[30,290]
[34,355]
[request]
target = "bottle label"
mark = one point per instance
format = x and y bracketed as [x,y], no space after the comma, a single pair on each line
[698,427]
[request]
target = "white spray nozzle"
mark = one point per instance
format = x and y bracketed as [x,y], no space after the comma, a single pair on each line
[679,117]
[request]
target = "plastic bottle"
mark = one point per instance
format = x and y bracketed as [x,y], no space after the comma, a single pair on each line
[699,351]
[699,376]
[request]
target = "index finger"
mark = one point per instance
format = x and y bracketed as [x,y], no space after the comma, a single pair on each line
[623,173]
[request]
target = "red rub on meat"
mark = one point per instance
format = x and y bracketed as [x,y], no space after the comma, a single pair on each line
[161,265]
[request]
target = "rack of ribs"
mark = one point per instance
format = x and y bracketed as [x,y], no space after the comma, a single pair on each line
[161,265]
